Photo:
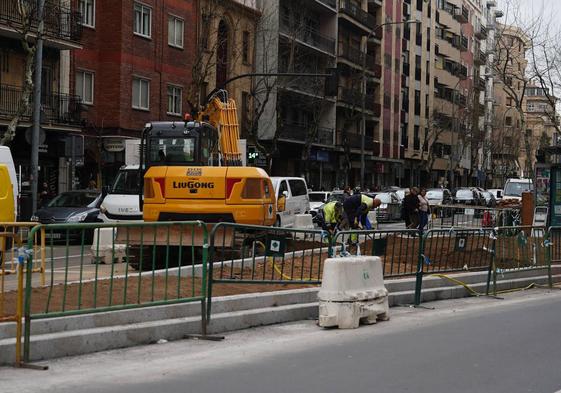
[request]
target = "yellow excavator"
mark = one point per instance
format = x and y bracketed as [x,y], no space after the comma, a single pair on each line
[193,171]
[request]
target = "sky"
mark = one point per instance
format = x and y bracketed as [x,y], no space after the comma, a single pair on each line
[530,9]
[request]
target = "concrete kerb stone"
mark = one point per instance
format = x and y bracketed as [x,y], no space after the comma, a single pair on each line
[76,335]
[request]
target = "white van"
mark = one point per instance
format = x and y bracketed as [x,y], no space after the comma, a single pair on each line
[295,190]
[121,200]
[6,158]
[515,187]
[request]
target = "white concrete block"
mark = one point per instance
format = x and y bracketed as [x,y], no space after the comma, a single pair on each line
[303,221]
[103,248]
[352,291]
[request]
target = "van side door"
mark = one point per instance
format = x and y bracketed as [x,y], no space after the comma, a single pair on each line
[299,194]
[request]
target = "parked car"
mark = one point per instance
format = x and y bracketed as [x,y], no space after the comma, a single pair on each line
[337,195]
[481,200]
[318,198]
[71,207]
[490,200]
[401,192]
[297,201]
[390,209]
[497,193]
[439,196]
[515,187]
[466,195]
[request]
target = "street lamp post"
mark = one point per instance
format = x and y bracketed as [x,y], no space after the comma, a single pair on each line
[363,83]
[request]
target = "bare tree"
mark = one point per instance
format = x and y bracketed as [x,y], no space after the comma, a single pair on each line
[24,20]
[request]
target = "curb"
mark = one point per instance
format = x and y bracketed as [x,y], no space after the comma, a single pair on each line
[82,334]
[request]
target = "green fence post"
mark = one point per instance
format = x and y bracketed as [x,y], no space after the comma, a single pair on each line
[547,244]
[419,274]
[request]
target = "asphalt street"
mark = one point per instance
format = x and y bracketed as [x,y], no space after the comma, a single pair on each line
[463,345]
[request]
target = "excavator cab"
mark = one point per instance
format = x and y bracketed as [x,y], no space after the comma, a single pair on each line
[179,144]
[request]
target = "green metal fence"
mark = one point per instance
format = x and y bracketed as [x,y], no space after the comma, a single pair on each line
[251,254]
[521,248]
[462,216]
[453,250]
[95,267]
[398,249]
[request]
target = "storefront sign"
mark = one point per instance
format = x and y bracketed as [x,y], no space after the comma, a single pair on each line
[114,145]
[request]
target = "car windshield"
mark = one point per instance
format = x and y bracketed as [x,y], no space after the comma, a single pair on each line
[434,194]
[126,183]
[73,199]
[317,196]
[172,150]
[516,189]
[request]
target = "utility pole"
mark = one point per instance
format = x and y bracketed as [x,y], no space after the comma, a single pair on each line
[37,104]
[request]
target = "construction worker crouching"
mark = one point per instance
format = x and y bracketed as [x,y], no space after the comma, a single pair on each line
[330,215]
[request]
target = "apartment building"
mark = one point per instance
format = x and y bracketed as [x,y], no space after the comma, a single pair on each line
[297,123]
[444,92]
[508,139]
[155,60]
[541,121]
[61,111]
[134,68]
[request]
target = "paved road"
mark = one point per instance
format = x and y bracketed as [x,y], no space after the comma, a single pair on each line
[466,345]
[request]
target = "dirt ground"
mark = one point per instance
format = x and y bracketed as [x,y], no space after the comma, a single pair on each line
[399,255]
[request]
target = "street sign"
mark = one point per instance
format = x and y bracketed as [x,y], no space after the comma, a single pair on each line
[275,246]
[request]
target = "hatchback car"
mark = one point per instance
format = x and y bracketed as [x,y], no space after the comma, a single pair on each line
[439,196]
[467,196]
[71,207]
[317,199]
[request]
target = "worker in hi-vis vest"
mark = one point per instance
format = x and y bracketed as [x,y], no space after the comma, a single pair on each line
[330,216]
[356,209]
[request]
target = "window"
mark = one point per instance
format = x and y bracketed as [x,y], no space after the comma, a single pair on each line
[297,187]
[245,47]
[142,20]
[174,100]
[141,93]
[85,86]
[508,121]
[282,188]
[87,9]
[509,101]
[175,31]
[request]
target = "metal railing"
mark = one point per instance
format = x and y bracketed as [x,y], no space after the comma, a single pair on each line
[520,248]
[349,8]
[162,263]
[462,216]
[398,249]
[60,22]
[299,31]
[302,132]
[453,250]
[55,107]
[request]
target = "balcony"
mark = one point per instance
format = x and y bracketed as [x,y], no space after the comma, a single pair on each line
[346,7]
[461,14]
[56,108]
[481,32]
[374,3]
[481,85]
[300,132]
[377,69]
[377,110]
[355,56]
[62,25]
[464,43]
[307,35]
[329,3]
[309,86]
[351,140]
[355,98]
